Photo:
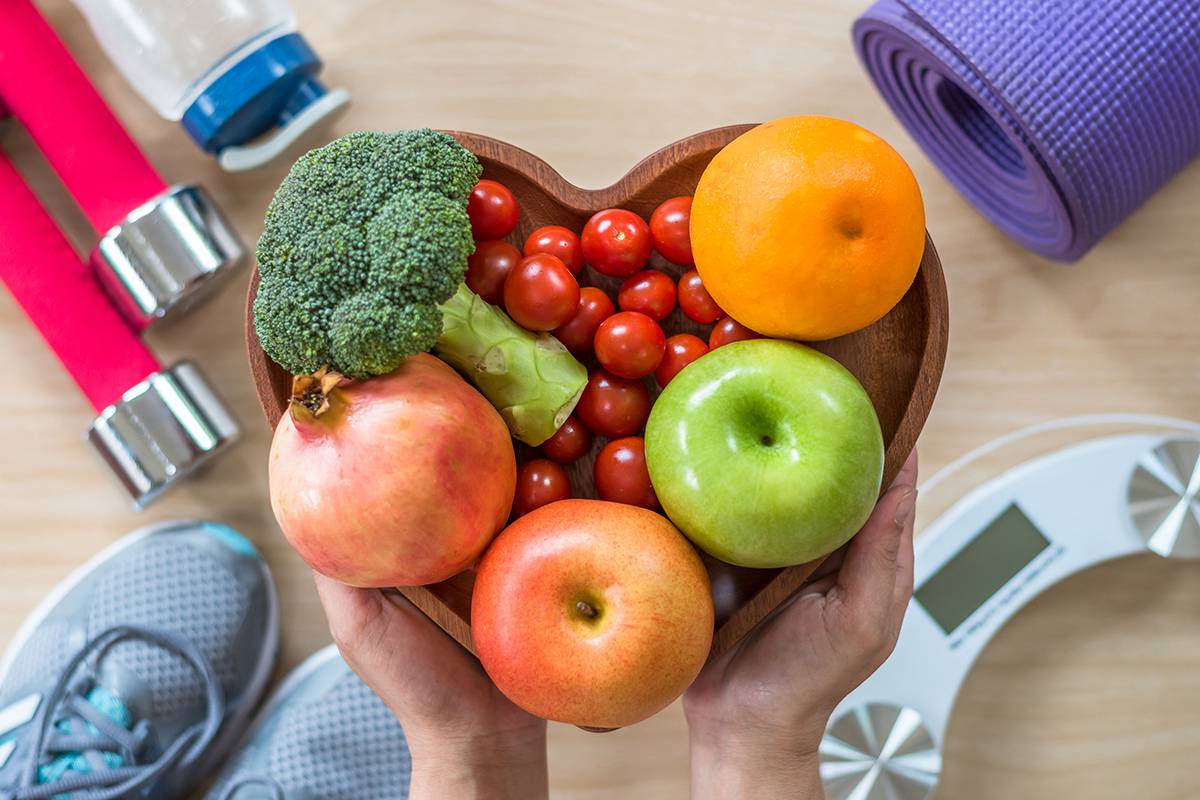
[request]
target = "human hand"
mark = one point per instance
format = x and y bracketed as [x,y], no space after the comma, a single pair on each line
[466,738]
[756,715]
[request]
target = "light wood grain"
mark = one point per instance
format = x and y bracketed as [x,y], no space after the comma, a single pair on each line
[1093,692]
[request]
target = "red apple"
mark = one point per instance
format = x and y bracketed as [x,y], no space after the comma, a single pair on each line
[398,480]
[592,613]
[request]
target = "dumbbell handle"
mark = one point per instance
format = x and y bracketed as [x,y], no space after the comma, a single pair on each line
[58,293]
[43,86]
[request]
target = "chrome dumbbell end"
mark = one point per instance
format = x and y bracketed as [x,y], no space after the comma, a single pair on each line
[166,255]
[162,430]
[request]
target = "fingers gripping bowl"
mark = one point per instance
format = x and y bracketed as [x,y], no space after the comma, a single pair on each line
[898,359]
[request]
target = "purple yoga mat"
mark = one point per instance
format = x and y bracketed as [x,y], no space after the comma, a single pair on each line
[1056,118]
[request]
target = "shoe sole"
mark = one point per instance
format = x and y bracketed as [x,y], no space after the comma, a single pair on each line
[233,725]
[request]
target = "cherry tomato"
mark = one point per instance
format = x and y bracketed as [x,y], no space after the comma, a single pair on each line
[493,210]
[650,292]
[695,301]
[539,482]
[541,293]
[729,330]
[612,406]
[669,227]
[569,442]
[557,241]
[629,344]
[682,349]
[621,474]
[578,332]
[616,242]
[488,266]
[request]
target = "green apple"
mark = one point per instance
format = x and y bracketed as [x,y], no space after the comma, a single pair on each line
[765,453]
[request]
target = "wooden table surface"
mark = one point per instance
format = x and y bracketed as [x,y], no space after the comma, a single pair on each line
[1093,691]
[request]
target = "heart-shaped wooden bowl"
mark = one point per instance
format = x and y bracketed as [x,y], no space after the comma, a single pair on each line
[898,359]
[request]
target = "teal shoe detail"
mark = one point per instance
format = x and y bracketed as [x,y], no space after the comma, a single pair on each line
[234,540]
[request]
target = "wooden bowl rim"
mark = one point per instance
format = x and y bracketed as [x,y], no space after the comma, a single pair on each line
[930,278]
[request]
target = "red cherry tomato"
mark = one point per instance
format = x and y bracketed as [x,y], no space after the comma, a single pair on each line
[695,301]
[629,344]
[569,442]
[616,242]
[556,240]
[729,330]
[578,332]
[539,482]
[541,293]
[669,227]
[612,406]
[621,474]
[488,266]
[650,292]
[493,210]
[682,349]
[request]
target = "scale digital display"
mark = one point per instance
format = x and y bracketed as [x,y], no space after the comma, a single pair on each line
[980,569]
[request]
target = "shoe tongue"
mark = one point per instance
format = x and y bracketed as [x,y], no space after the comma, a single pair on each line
[126,688]
[110,706]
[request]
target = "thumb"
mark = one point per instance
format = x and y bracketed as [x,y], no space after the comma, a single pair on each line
[873,560]
[357,618]
[375,630]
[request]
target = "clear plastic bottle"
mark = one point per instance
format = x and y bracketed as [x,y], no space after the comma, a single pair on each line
[230,70]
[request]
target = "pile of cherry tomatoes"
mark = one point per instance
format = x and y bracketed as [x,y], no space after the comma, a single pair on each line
[538,286]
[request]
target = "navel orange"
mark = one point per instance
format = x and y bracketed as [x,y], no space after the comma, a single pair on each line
[807,228]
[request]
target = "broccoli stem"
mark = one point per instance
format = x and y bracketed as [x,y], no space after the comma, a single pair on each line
[531,378]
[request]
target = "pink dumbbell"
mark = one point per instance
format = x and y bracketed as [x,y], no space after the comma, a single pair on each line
[159,250]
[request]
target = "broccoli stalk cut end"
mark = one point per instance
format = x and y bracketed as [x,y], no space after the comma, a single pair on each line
[531,378]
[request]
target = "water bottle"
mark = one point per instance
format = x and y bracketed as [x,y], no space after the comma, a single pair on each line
[235,72]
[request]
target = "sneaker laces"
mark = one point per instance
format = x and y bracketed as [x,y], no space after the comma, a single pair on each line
[71,702]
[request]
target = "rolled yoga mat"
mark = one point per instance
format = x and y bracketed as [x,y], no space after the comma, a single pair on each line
[1056,118]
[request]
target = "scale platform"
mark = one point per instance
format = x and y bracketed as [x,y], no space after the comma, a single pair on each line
[1004,532]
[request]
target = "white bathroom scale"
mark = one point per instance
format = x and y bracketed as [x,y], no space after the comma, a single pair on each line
[999,545]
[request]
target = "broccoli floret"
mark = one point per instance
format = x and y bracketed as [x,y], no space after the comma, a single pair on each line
[362,262]
[364,239]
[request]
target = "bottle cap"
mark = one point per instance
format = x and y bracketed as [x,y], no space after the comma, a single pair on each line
[269,88]
[165,256]
[162,430]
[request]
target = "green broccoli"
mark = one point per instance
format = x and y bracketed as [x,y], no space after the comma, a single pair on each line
[362,260]
[364,239]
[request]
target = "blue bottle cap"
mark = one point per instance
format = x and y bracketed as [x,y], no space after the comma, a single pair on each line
[267,88]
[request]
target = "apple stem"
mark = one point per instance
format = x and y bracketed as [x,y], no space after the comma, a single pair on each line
[585,609]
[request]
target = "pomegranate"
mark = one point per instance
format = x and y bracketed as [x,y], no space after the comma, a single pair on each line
[398,480]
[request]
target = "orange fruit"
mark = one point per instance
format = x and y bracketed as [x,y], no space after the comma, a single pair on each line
[807,228]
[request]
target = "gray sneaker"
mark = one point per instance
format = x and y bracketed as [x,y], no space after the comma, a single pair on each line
[323,735]
[134,678]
